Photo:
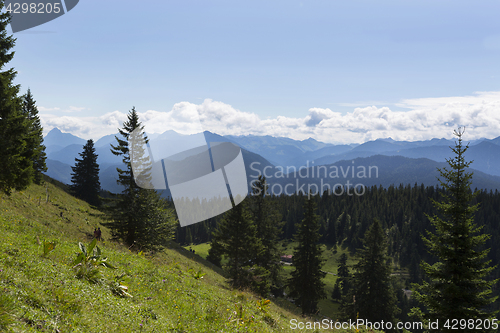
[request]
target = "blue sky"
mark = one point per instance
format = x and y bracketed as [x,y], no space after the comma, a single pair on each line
[291,67]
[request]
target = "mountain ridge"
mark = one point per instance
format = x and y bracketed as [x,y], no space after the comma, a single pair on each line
[276,152]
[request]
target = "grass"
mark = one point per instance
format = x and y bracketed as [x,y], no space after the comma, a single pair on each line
[173,290]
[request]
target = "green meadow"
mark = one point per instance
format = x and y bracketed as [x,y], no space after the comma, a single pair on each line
[172,290]
[331,255]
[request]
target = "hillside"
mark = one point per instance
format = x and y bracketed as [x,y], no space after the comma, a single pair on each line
[173,291]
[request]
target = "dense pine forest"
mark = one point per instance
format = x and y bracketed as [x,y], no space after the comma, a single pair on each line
[402,211]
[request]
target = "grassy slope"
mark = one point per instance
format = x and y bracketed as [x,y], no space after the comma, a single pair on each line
[42,293]
[326,306]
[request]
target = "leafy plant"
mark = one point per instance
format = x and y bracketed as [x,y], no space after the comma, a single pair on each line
[263,305]
[197,275]
[118,286]
[48,247]
[88,262]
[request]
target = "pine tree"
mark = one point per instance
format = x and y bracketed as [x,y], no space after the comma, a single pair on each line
[371,296]
[16,166]
[342,284]
[336,292]
[414,269]
[157,220]
[306,284]
[216,251]
[268,228]
[140,216]
[85,177]
[236,239]
[35,147]
[343,275]
[456,285]
[343,222]
[127,222]
[332,231]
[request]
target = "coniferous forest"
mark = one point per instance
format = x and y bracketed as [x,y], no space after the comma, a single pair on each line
[403,213]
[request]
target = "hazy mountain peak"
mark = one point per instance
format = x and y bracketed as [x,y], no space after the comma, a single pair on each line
[389,139]
[57,138]
[55,130]
[106,140]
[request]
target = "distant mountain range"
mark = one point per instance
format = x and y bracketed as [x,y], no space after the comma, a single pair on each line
[397,161]
[367,171]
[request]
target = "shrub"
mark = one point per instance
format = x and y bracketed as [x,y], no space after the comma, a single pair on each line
[118,286]
[88,262]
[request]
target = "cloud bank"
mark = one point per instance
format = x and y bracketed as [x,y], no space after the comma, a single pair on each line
[426,118]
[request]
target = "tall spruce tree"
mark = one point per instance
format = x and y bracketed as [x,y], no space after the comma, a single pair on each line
[371,295]
[216,250]
[236,239]
[16,165]
[336,292]
[342,284]
[456,286]
[306,284]
[269,227]
[344,275]
[85,177]
[139,216]
[34,140]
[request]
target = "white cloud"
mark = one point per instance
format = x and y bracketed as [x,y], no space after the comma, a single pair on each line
[74,109]
[316,115]
[71,109]
[44,109]
[426,118]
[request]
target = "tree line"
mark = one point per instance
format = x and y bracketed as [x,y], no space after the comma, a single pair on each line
[22,153]
[401,210]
